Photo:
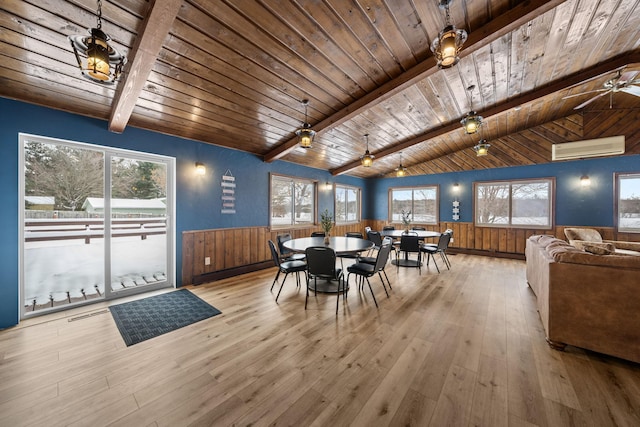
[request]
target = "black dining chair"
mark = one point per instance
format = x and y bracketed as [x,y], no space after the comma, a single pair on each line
[317,234]
[418,228]
[440,248]
[321,264]
[409,243]
[287,254]
[388,228]
[286,267]
[366,270]
[373,260]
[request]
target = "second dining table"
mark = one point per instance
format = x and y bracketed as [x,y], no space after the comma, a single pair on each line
[340,244]
[397,234]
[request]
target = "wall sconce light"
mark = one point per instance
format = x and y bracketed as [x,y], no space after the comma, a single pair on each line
[306,134]
[328,185]
[456,187]
[367,158]
[200,169]
[449,42]
[585,181]
[103,62]
[482,148]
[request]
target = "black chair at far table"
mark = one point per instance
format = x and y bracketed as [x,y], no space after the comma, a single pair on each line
[410,243]
[317,234]
[366,270]
[286,267]
[287,254]
[441,248]
[321,264]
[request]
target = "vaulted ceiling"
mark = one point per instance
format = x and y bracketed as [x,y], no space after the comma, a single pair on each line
[234,72]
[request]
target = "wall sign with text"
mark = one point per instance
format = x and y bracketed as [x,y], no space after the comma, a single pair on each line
[228,193]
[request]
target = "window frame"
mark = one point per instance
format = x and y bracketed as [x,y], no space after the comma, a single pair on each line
[314,198]
[551,181]
[413,188]
[617,176]
[347,188]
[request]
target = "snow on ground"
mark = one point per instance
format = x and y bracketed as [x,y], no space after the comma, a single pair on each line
[58,267]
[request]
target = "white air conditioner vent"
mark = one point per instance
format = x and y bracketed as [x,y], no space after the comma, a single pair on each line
[589,148]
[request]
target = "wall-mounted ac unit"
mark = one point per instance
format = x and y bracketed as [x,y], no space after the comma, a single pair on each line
[589,148]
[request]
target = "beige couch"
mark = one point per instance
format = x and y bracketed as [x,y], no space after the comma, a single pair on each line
[590,240]
[586,300]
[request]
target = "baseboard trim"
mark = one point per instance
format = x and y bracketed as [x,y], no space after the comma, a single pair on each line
[224,274]
[453,251]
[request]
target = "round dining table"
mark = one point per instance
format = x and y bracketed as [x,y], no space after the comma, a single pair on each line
[397,234]
[340,244]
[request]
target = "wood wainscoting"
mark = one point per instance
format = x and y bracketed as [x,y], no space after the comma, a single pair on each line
[241,250]
[236,250]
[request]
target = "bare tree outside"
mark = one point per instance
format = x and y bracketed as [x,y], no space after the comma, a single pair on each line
[514,203]
[292,201]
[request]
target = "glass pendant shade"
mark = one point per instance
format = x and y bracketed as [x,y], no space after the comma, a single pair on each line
[401,170]
[367,158]
[447,46]
[305,134]
[471,122]
[98,61]
[482,148]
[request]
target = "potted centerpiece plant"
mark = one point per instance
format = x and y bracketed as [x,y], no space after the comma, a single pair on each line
[326,221]
[406,220]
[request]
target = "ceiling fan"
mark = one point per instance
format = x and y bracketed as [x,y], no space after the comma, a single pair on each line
[622,82]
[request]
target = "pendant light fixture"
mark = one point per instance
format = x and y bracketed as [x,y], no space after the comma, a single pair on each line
[401,170]
[472,121]
[367,157]
[449,42]
[98,61]
[482,148]
[305,134]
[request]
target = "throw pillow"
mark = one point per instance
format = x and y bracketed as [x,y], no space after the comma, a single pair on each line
[598,248]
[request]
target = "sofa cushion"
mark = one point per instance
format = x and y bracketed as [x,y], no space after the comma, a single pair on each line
[588,234]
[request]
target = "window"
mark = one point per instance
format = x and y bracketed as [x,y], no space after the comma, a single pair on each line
[628,202]
[522,204]
[421,201]
[347,208]
[292,201]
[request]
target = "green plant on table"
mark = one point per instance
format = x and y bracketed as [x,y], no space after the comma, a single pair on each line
[326,221]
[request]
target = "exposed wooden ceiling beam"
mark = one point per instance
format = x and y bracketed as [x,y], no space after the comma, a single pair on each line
[504,24]
[558,85]
[143,55]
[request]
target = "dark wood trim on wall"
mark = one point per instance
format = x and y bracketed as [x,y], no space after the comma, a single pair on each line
[240,250]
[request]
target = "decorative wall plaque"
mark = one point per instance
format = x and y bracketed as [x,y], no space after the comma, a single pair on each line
[228,193]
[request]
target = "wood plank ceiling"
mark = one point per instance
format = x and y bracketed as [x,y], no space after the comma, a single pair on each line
[233,73]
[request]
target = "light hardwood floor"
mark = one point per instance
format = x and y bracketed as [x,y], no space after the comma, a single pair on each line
[460,348]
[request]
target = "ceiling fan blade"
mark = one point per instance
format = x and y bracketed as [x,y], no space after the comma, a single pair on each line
[633,90]
[584,104]
[584,93]
[627,77]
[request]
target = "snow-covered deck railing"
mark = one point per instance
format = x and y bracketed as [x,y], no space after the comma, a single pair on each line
[39,230]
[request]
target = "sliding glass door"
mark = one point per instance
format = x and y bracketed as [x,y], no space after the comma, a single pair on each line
[96,223]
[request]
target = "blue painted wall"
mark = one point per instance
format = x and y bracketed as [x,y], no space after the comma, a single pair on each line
[592,206]
[198,199]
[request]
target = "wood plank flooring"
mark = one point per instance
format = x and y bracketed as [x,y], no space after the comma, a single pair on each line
[460,348]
